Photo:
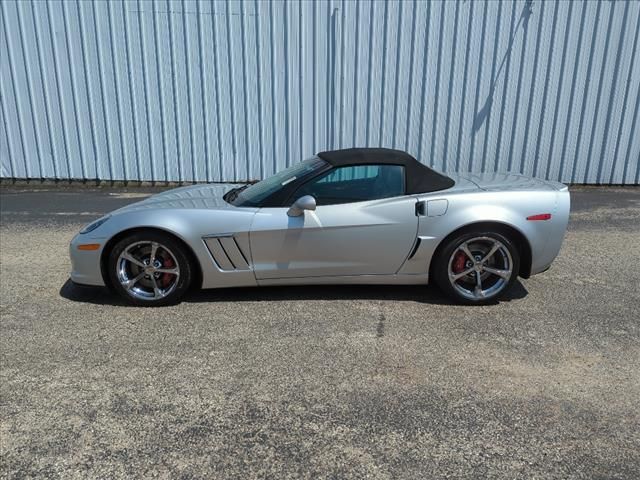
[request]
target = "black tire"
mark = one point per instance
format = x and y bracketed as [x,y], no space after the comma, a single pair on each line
[170,253]
[445,259]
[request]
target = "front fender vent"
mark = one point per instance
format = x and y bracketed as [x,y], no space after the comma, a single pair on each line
[226,253]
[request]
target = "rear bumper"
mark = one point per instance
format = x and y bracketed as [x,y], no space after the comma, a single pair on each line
[555,233]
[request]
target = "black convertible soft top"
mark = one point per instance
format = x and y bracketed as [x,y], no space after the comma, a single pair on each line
[419,177]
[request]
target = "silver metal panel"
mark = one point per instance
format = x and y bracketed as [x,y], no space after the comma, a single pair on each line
[361,238]
[401,279]
[437,207]
[236,90]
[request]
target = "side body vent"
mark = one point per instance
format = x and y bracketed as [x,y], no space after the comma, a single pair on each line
[226,252]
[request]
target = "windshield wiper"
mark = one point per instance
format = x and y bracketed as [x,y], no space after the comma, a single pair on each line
[232,194]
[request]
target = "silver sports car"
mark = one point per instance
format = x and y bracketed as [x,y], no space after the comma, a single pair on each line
[356,216]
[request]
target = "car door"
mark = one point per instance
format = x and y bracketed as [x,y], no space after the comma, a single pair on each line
[363,225]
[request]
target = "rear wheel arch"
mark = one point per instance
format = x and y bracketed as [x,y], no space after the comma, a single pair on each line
[515,235]
[113,241]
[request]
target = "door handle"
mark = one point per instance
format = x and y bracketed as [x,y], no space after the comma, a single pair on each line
[421,208]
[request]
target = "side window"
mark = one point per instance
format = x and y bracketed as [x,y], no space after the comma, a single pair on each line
[355,184]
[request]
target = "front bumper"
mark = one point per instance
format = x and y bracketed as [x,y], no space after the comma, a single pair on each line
[85,265]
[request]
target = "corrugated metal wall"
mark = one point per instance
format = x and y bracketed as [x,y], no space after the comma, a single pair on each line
[230,91]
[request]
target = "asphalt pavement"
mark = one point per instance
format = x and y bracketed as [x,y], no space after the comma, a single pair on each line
[318,382]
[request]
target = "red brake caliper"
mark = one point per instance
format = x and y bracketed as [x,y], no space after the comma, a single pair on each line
[166,277]
[458,262]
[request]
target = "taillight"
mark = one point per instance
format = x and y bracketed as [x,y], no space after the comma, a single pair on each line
[540,216]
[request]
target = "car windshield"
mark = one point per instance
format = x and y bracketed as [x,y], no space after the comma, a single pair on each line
[253,195]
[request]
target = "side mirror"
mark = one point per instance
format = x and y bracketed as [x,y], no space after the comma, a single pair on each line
[299,206]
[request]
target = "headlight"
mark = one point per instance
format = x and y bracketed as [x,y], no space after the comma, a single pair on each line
[93,225]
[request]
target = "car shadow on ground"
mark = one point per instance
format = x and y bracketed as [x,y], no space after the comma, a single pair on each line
[415,293]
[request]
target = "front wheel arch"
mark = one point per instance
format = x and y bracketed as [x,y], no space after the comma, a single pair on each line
[515,235]
[196,283]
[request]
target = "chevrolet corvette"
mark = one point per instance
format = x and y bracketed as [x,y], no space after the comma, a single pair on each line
[354,216]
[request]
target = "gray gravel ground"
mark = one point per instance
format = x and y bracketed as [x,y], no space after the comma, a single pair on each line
[319,382]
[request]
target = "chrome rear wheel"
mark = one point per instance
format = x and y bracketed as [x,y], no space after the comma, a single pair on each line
[476,267]
[480,268]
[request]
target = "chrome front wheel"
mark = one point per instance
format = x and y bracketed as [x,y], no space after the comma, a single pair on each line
[150,268]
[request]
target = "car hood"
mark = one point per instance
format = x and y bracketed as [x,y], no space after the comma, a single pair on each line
[191,197]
